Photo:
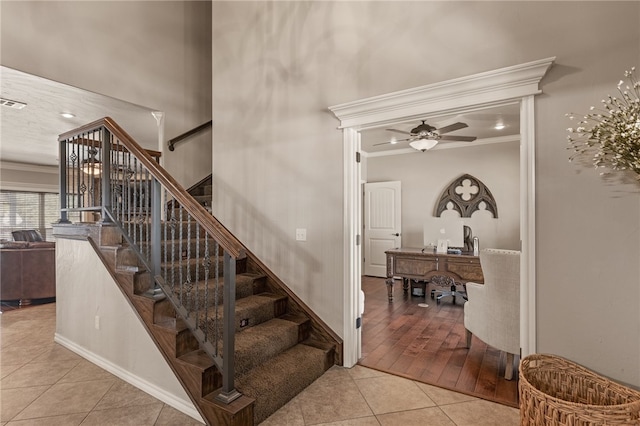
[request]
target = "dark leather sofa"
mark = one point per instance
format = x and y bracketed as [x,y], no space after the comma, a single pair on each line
[27,271]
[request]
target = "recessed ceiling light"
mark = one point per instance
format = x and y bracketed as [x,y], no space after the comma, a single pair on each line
[67,115]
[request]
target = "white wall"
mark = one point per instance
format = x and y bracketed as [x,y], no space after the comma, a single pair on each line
[151,53]
[425,176]
[120,344]
[278,154]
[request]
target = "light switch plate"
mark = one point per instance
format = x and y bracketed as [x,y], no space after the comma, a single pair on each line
[301,234]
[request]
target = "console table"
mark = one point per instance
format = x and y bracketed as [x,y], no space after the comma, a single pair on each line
[419,264]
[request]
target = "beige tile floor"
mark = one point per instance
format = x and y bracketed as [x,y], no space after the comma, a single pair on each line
[43,383]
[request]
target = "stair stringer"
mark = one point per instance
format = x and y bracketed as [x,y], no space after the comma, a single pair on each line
[197,374]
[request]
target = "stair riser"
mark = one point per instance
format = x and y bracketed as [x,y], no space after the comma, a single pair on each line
[296,373]
[246,317]
[254,346]
[206,381]
[176,343]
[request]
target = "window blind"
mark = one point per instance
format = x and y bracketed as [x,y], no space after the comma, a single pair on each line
[28,210]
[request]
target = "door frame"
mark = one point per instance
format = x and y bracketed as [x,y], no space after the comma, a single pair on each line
[514,84]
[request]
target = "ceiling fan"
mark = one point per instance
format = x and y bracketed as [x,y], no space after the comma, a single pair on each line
[424,137]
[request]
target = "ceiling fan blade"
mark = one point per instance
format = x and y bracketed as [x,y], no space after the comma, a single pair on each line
[452,127]
[458,138]
[392,143]
[398,131]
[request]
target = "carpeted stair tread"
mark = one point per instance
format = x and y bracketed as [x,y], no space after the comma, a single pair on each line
[246,285]
[249,311]
[193,268]
[256,309]
[256,345]
[277,381]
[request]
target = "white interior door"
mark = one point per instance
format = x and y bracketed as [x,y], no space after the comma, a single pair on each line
[382,224]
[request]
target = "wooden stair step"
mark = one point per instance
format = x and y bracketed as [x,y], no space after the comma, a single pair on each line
[275,382]
[303,323]
[258,344]
[200,372]
[175,337]
[249,312]
[203,291]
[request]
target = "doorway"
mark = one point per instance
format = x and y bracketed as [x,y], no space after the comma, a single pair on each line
[415,336]
[382,224]
[519,83]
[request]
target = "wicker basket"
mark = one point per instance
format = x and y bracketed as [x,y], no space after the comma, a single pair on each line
[556,391]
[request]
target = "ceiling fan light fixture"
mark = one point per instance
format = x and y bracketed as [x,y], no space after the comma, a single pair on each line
[91,167]
[499,126]
[423,144]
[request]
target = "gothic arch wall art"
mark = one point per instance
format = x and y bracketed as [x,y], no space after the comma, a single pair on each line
[466,194]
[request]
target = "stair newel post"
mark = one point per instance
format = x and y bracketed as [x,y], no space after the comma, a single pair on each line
[106,175]
[229,393]
[62,180]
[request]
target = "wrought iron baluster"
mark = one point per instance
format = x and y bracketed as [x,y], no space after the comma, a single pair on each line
[165,241]
[106,173]
[181,263]
[145,221]
[197,266]
[206,264]
[216,295]
[63,180]
[74,158]
[173,249]
[187,254]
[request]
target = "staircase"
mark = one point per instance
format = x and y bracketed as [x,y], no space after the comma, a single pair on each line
[200,293]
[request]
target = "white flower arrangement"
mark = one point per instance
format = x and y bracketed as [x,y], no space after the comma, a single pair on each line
[611,135]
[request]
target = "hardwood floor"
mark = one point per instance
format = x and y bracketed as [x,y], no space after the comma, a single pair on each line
[427,344]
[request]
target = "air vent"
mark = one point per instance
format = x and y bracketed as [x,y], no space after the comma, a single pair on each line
[12,104]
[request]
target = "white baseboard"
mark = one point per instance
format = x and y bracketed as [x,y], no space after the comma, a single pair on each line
[185,406]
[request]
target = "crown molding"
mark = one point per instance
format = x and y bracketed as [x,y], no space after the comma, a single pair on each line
[27,167]
[496,86]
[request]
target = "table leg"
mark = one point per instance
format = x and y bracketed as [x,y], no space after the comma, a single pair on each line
[390,289]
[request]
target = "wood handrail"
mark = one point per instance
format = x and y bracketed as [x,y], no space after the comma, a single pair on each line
[98,144]
[188,133]
[210,224]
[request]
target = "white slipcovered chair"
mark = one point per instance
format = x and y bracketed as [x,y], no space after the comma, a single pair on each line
[492,312]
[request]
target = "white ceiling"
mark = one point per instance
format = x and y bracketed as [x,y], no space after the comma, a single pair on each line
[481,124]
[30,135]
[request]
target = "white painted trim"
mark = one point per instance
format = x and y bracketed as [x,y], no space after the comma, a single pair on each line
[528,331]
[497,86]
[185,406]
[29,187]
[24,167]
[352,228]
[448,145]
[516,83]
